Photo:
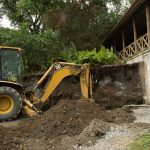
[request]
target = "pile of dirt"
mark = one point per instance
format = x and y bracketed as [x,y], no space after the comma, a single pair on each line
[121,116]
[9,140]
[70,118]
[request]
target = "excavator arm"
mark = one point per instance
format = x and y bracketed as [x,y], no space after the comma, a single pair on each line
[55,74]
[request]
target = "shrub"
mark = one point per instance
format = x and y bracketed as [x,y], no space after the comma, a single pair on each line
[103,56]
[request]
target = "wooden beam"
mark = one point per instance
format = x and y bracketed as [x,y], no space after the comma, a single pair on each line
[148,22]
[123,40]
[123,43]
[135,33]
[114,46]
[134,30]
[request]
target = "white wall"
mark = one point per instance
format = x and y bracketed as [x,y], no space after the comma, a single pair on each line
[144,71]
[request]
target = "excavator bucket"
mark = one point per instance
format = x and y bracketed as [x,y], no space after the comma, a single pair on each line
[28,111]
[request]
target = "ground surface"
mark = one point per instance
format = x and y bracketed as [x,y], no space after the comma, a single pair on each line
[72,125]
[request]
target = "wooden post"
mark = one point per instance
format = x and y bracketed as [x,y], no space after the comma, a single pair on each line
[135,34]
[114,46]
[123,44]
[123,40]
[148,22]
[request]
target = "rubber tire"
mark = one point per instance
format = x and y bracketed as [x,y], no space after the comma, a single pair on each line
[5,90]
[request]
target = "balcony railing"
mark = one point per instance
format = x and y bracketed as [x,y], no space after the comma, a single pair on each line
[139,45]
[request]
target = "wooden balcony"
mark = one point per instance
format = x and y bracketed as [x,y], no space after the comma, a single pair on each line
[136,47]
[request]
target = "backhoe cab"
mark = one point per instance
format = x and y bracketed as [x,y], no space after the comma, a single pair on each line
[11,89]
[12,96]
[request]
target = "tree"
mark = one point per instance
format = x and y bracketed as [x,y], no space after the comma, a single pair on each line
[57,27]
[27,14]
[38,50]
[85,22]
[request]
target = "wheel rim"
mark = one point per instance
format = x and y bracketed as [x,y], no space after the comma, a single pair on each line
[6,104]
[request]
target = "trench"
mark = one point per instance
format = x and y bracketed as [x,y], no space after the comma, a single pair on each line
[113,86]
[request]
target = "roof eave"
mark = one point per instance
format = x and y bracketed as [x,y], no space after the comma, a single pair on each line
[125,17]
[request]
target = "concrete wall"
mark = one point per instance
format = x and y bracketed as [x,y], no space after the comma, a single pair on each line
[144,71]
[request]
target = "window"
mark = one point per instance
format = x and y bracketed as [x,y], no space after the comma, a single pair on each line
[12,65]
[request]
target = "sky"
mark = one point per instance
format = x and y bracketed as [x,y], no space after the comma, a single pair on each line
[4,22]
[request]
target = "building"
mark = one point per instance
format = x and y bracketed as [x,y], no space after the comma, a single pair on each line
[131,35]
[130,39]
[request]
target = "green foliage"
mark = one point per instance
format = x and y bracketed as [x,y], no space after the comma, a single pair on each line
[28,13]
[106,56]
[69,54]
[87,56]
[69,18]
[85,31]
[103,56]
[142,143]
[39,50]
[51,29]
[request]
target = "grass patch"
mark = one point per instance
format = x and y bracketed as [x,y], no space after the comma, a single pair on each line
[141,143]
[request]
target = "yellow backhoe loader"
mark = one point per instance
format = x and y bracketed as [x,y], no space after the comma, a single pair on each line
[12,95]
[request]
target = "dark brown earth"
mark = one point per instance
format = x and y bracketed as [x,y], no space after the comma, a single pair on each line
[9,140]
[71,117]
[113,87]
[68,117]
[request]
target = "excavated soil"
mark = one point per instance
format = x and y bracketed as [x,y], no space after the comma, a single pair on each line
[71,117]
[113,86]
[71,122]
[67,118]
[9,140]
